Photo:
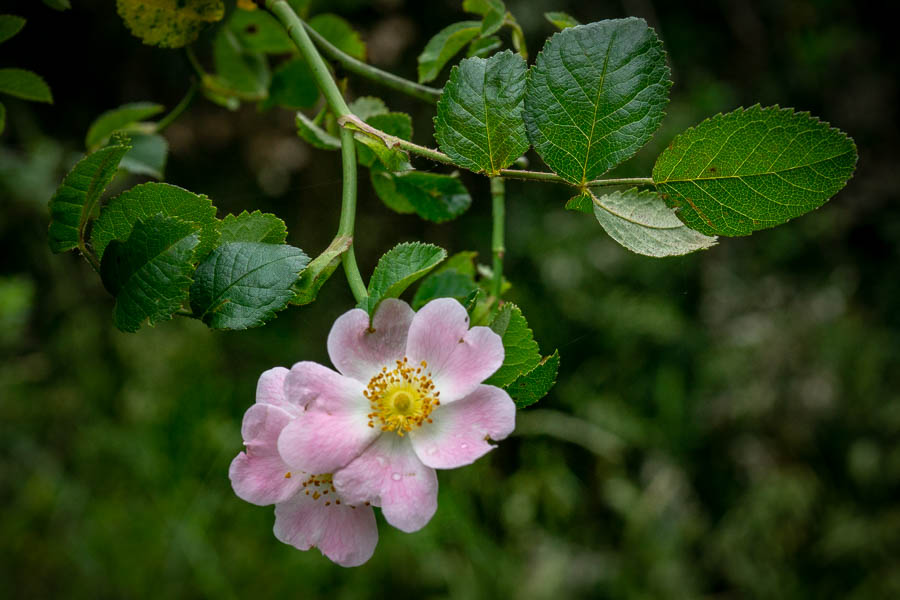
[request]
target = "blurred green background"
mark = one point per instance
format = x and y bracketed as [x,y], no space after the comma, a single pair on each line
[726,425]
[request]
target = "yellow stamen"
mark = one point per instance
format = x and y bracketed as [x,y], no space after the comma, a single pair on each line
[402,398]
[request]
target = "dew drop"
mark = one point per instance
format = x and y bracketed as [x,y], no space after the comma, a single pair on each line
[463,446]
[396,476]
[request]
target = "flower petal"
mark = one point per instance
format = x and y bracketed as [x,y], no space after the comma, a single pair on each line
[312,385]
[390,475]
[458,432]
[459,358]
[345,534]
[270,390]
[359,351]
[322,442]
[258,474]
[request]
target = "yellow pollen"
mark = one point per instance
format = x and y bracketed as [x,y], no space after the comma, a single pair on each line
[402,398]
[287,475]
[319,481]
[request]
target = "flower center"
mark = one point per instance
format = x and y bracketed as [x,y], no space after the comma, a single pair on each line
[402,398]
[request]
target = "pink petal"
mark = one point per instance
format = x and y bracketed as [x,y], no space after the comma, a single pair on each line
[322,442]
[258,475]
[359,351]
[311,385]
[458,432]
[459,358]
[345,534]
[270,390]
[390,475]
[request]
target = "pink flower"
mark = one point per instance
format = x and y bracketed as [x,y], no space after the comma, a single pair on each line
[407,400]
[308,510]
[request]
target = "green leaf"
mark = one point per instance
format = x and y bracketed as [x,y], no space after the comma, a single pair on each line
[433,196]
[313,277]
[58,4]
[119,217]
[521,352]
[479,115]
[444,46]
[339,32]
[258,31]
[74,201]
[147,156]
[483,47]
[365,107]
[393,123]
[117,119]
[643,223]
[314,135]
[446,284]
[293,86]
[169,23]
[561,20]
[240,73]
[243,284]
[399,268]
[493,13]
[461,262]
[252,227]
[595,95]
[583,203]
[752,169]
[149,274]
[25,85]
[10,25]
[385,186]
[534,385]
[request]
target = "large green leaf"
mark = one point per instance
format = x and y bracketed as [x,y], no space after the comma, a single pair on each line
[258,31]
[149,274]
[25,85]
[643,223]
[444,46]
[243,284]
[119,217]
[433,196]
[340,33]
[385,185]
[10,25]
[73,203]
[118,118]
[752,169]
[595,95]
[314,135]
[147,156]
[479,115]
[534,385]
[399,268]
[521,352]
[252,227]
[169,23]
[293,86]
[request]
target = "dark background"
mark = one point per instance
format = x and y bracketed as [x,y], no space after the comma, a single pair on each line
[726,425]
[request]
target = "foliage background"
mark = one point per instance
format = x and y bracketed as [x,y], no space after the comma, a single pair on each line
[726,425]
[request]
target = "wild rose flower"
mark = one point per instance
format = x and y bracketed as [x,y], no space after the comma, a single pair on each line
[407,400]
[308,510]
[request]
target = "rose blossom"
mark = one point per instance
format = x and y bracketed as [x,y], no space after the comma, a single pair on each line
[407,399]
[308,510]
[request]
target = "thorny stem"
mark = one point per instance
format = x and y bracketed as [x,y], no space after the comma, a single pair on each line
[498,214]
[335,99]
[179,108]
[422,92]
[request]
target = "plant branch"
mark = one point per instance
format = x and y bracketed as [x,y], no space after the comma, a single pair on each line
[179,108]
[498,214]
[417,90]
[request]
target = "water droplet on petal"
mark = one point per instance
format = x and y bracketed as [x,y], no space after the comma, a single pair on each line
[396,476]
[380,460]
[463,446]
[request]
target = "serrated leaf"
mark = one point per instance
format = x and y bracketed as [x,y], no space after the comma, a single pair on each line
[10,25]
[433,196]
[239,72]
[140,203]
[386,189]
[534,385]
[169,23]
[150,273]
[483,47]
[74,201]
[147,156]
[252,227]
[521,352]
[399,268]
[444,46]
[595,95]
[314,135]
[243,284]
[446,284]
[293,86]
[561,20]
[258,31]
[479,115]
[393,123]
[365,107]
[58,4]
[752,169]
[583,203]
[25,85]
[117,119]
[643,223]
[314,276]
[340,33]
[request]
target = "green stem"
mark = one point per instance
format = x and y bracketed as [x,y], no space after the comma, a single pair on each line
[88,255]
[179,108]
[498,214]
[192,58]
[416,90]
[329,89]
